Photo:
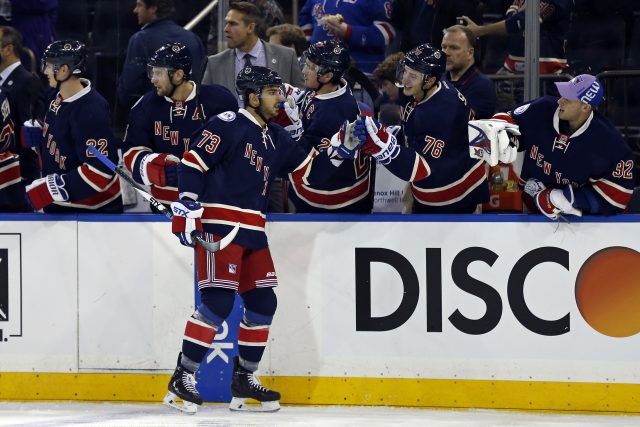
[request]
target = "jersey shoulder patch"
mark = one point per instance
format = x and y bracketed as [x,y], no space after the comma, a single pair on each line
[521,109]
[227,116]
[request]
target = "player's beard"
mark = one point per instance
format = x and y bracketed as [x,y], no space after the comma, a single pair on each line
[268,113]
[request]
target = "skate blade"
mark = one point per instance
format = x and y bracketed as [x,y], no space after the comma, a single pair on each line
[186,407]
[239,404]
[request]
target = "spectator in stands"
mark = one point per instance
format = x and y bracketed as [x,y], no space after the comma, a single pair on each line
[157,30]
[288,35]
[448,13]
[414,20]
[385,73]
[23,90]
[554,26]
[36,21]
[246,48]
[458,44]
[365,26]
[271,16]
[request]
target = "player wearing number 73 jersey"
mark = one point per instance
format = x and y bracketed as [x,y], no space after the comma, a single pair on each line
[575,161]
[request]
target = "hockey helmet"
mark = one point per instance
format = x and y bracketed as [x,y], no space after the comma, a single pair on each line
[425,59]
[65,52]
[329,56]
[254,78]
[172,56]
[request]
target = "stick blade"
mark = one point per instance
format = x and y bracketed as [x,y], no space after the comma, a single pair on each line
[220,244]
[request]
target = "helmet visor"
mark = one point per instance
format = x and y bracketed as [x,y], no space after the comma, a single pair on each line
[407,76]
[157,72]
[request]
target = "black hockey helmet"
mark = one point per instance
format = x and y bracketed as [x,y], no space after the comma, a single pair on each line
[254,78]
[173,56]
[329,56]
[425,59]
[65,52]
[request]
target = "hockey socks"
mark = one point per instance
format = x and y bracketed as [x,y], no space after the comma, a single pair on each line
[198,336]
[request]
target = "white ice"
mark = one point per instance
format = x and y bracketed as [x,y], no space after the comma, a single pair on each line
[46,414]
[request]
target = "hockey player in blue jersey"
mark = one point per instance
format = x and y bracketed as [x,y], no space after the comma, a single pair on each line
[11,185]
[78,116]
[574,161]
[324,107]
[223,179]
[435,159]
[163,120]
[364,25]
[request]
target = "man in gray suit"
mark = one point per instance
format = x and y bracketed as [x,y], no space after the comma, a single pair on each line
[245,48]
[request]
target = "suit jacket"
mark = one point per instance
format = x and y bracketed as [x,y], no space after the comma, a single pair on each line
[221,67]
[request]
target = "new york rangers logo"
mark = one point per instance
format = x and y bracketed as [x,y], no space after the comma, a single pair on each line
[561,143]
[233,268]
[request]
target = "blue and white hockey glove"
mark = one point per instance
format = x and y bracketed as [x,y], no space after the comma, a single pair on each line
[294,127]
[552,202]
[493,140]
[186,221]
[346,142]
[159,169]
[31,134]
[380,144]
[44,191]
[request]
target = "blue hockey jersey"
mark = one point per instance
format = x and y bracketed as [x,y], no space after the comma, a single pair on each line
[345,188]
[161,125]
[70,125]
[444,179]
[369,29]
[594,159]
[229,169]
[11,184]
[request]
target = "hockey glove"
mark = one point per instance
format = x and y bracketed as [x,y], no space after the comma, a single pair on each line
[294,125]
[159,169]
[552,202]
[379,143]
[346,142]
[186,221]
[296,93]
[31,134]
[493,141]
[44,191]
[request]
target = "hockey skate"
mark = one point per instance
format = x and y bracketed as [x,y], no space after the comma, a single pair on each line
[183,385]
[245,385]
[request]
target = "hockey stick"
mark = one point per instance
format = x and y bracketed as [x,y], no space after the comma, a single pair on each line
[121,172]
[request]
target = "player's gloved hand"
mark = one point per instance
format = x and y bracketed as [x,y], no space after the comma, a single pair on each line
[159,169]
[289,118]
[44,191]
[552,202]
[493,140]
[346,142]
[294,127]
[379,143]
[291,91]
[186,222]
[31,134]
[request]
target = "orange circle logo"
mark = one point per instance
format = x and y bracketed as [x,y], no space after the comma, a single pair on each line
[608,291]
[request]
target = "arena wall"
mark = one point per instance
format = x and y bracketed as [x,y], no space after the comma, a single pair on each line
[488,311]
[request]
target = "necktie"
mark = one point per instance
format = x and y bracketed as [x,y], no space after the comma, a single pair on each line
[247,60]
